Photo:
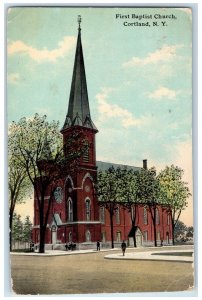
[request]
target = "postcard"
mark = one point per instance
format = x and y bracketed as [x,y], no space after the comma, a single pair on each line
[99,110]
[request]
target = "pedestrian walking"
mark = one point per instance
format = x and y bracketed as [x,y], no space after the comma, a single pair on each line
[123,247]
[98,246]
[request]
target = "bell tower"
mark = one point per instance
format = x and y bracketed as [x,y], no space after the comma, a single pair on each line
[79,189]
[78,114]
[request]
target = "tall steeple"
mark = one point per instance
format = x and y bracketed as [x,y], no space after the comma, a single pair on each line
[78,109]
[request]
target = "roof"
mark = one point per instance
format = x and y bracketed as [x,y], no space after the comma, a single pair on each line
[57,219]
[103,166]
[78,110]
[134,230]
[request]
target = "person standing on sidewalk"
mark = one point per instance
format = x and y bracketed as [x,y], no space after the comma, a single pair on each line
[98,246]
[123,247]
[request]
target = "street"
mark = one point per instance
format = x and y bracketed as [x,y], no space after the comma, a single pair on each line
[91,273]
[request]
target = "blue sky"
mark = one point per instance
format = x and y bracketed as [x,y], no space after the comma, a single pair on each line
[139,78]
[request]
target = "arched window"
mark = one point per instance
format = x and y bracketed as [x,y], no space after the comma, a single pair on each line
[117,215]
[168,219]
[70,210]
[88,236]
[157,216]
[102,214]
[70,236]
[87,202]
[132,212]
[118,236]
[145,216]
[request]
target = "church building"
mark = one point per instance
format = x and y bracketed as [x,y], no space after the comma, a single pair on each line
[75,214]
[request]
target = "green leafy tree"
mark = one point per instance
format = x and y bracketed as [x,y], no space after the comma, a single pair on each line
[180,229]
[190,232]
[174,192]
[17,229]
[27,230]
[148,193]
[45,159]
[130,195]
[18,182]
[109,185]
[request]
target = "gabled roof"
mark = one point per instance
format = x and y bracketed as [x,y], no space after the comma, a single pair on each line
[56,219]
[134,230]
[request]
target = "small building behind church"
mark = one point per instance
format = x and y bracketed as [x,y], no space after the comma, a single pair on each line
[75,214]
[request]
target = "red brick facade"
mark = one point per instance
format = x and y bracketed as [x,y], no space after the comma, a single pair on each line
[78,217]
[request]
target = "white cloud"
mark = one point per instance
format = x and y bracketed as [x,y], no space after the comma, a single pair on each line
[164,54]
[163,92]
[64,46]
[13,78]
[107,111]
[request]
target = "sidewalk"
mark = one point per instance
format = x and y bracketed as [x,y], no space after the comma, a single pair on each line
[134,254]
[155,255]
[61,252]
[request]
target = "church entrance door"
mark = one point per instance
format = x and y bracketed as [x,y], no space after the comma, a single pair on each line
[139,237]
[131,242]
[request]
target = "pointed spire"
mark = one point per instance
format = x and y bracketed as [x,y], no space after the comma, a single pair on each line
[79,22]
[78,109]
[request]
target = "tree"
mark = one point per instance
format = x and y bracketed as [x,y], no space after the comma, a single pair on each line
[180,230]
[18,182]
[174,192]
[46,160]
[17,228]
[130,196]
[190,232]
[109,193]
[148,191]
[27,230]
